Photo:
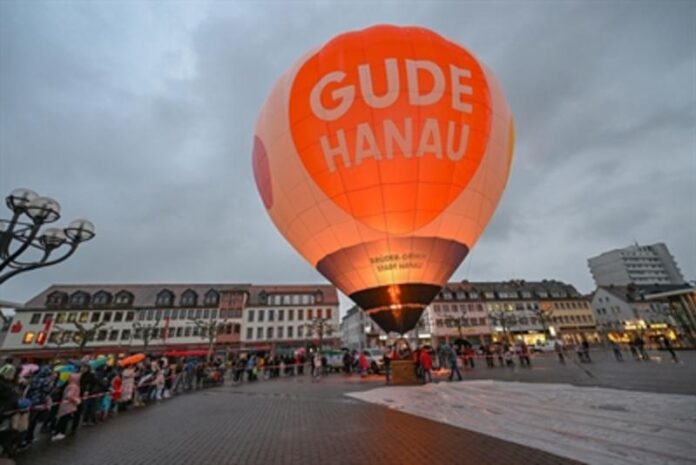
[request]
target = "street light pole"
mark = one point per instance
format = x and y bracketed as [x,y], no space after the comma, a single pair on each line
[17,235]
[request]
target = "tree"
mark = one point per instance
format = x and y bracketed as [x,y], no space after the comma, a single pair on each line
[146,332]
[322,327]
[209,330]
[544,312]
[504,319]
[84,334]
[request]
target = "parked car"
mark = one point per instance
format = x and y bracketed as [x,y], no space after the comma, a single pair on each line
[376,359]
[548,346]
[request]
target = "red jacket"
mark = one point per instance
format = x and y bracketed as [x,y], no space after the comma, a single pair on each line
[425,361]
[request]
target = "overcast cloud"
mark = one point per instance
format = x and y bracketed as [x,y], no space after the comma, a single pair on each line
[139,116]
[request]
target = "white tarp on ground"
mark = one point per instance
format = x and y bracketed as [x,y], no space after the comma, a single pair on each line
[589,424]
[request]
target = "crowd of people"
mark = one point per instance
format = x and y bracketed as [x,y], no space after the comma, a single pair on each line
[56,398]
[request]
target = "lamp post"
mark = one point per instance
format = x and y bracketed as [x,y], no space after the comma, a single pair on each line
[19,234]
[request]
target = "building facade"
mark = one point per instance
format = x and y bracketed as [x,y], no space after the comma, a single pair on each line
[284,318]
[636,264]
[486,312]
[624,312]
[165,317]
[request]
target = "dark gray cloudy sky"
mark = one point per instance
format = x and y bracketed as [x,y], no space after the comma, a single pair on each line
[139,116]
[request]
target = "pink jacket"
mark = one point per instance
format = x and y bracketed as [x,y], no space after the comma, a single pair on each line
[71,396]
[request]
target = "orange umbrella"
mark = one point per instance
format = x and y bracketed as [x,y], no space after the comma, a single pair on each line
[131,360]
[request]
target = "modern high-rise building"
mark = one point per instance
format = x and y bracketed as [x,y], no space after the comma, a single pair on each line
[636,264]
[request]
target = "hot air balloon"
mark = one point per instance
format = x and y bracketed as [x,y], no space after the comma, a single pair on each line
[381,157]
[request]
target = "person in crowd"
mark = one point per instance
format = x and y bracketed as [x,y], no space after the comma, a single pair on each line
[85,410]
[524,355]
[363,364]
[509,356]
[451,360]
[127,387]
[488,354]
[116,391]
[347,363]
[426,364]
[316,366]
[668,347]
[616,350]
[634,349]
[388,356]
[640,347]
[8,370]
[69,407]
[586,350]
[560,352]
[39,394]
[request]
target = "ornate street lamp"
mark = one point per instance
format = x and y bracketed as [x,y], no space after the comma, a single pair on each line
[19,234]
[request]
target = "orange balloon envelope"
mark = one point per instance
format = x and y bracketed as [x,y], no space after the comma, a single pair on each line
[381,157]
[131,360]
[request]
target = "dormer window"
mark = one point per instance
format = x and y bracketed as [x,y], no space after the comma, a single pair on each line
[56,299]
[101,299]
[189,298]
[212,298]
[124,298]
[79,299]
[165,298]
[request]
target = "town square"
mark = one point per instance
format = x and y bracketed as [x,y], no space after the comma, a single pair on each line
[388,232]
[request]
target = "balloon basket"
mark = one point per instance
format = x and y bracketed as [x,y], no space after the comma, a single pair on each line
[403,373]
[403,368]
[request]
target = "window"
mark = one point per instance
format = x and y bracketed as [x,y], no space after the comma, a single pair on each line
[187,331]
[206,314]
[123,298]
[113,335]
[72,317]
[84,317]
[280,332]
[261,315]
[259,333]
[191,314]
[118,317]
[79,299]
[106,317]
[213,313]
[101,335]
[35,319]
[67,336]
[269,333]
[189,298]
[130,316]
[309,313]
[250,333]
[211,298]
[125,334]
[319,313]
[47,317]
[300,315]
[95,317]
[101,299]
[328,313]
[56,299]
[250,316]
[165,298]
[60,318]
[158,315]
[281,315]
[196,331]
[54,338]
[300,331]
[291,315]
[271,315]
[290,328]
[28,337]
[167,313]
